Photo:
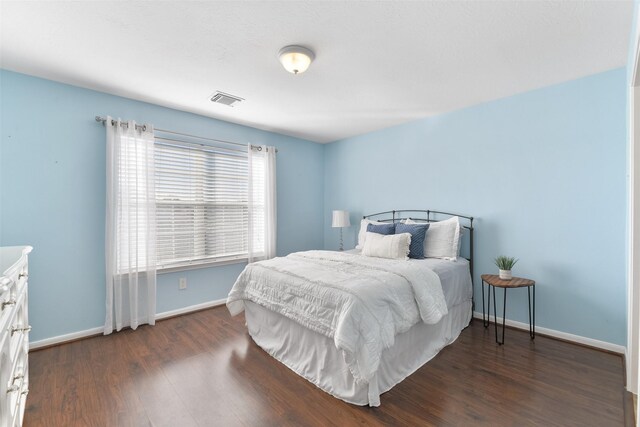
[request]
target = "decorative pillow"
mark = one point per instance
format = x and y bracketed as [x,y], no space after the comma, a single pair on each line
[462,231]
[418,233]
[362,234]
[442,239]
[385,229]
[394,246]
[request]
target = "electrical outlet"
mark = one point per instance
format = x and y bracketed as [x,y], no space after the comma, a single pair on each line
[182,283]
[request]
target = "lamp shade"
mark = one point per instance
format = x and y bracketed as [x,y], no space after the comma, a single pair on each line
[340,219]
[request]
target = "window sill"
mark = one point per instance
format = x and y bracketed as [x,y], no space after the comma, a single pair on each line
[194,266]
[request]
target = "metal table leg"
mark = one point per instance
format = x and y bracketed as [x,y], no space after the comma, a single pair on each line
[485,322]
[495,314]
[532,319]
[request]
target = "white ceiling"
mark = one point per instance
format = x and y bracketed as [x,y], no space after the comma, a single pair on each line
[377,63]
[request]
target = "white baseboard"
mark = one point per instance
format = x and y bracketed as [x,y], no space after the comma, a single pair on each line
[61,339]
[615,348]
[190,308]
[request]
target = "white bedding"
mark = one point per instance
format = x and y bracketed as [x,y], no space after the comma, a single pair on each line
[315,358]
[361,303]
[455,277]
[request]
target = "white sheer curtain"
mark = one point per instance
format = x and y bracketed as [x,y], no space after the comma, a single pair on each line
[130,226]
[262,203]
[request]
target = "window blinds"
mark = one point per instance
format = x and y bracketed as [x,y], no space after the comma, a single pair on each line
[202,211]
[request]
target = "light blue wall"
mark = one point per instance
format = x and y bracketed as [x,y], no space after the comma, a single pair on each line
[544,175]
[52,196]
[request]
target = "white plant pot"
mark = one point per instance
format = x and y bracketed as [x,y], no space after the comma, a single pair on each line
[505,275]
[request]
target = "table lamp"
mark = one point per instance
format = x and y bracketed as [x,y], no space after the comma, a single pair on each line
[340,220]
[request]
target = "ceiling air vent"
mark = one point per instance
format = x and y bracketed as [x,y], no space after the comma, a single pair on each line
[225,98]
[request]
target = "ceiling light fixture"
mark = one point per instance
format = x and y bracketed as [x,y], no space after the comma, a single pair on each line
[296,59]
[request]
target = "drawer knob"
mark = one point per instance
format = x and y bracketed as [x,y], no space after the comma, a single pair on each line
[13,388]
[5,284]
[21,275]
[8,302]
[17,377]
[25,392]
[20,329]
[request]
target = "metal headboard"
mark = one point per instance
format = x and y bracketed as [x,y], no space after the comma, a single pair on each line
[420,215]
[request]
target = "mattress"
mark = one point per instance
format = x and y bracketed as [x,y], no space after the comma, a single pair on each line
[455,278]
[316,358]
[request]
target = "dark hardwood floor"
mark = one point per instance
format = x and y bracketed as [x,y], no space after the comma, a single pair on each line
[203,369]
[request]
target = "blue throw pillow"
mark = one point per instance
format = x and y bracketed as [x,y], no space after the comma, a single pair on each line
[382,228]
[418,233]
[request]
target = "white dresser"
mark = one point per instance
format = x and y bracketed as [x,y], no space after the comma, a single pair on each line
[14,334]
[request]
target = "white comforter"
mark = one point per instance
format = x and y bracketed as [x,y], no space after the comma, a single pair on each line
[362,303]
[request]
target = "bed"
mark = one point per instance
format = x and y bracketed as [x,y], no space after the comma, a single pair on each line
[353,325]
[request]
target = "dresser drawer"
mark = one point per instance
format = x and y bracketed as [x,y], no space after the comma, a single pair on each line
[14,379]
[18,272]
[7,288]
[11,287]
[17,388]
[14,334]
[19,328]
[10,300]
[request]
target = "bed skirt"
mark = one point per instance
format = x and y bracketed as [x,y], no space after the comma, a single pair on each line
[315,357]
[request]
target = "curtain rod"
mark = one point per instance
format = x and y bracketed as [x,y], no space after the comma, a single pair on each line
[103,120]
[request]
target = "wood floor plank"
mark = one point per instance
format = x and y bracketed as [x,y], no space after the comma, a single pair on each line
[203,369]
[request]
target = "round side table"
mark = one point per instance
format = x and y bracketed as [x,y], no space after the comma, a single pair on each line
[494,281]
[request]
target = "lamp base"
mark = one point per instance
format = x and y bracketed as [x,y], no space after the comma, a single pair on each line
[341,245]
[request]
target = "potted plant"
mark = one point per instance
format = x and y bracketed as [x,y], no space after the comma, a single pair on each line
[505,264]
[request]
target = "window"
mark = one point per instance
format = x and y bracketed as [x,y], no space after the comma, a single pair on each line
[202,208]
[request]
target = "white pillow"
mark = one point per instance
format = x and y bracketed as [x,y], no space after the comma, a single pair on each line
[394,246]
[362,235]
[442,239]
